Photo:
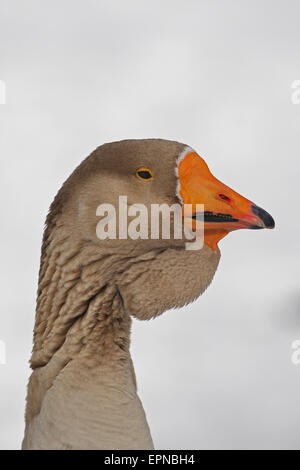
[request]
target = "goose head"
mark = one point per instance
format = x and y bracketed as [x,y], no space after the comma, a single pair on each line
[152,274]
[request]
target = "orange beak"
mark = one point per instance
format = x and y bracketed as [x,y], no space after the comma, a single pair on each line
[224,209]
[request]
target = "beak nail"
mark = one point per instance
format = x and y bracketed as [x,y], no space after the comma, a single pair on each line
[264,216]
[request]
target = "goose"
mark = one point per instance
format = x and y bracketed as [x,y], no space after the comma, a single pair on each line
[82,392]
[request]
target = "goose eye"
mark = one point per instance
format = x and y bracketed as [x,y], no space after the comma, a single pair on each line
[144,174]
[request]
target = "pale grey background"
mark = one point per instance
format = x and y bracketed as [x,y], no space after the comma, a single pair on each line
[216,75]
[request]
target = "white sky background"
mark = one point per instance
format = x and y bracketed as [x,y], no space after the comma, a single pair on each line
[216,75]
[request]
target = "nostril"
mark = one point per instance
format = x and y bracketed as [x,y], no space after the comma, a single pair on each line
[224,197]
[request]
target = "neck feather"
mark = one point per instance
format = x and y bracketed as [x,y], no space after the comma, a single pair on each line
[81,346]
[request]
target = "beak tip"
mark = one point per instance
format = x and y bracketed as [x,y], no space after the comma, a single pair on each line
[266,219]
